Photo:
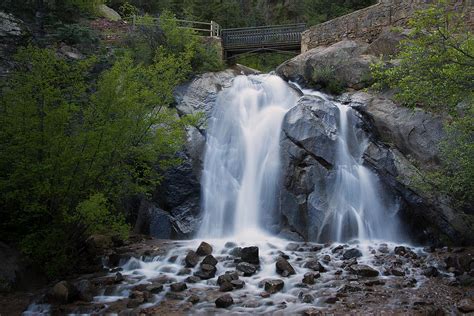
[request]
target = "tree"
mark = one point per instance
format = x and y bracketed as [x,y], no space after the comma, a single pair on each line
[435,70]
[69,156]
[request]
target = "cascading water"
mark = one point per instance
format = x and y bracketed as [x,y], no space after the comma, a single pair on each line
[357,206]
[241,166]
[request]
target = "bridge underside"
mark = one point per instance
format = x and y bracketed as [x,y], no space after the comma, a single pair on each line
[231,54]
[278,38]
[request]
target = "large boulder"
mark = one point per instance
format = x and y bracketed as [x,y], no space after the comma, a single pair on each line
[345,64]
[13,33]
[414,132]
[308,147]
[108,13]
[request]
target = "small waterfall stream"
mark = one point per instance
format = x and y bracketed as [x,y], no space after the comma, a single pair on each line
[242,160]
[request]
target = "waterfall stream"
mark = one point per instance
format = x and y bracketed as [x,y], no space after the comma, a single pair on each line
[242,160]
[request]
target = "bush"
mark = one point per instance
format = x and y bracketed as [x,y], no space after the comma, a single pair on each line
[73,34]
[68,157]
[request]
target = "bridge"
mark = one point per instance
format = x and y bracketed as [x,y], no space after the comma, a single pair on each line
[246,40]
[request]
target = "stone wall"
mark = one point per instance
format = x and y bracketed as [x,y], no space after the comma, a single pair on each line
[368,23]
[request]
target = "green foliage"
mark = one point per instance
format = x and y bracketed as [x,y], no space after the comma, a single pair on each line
[153,40]
[127,10]
[319,11]
[264,62]
[69,156]
[435,70]
[324,79]
[73,34]
[435,67]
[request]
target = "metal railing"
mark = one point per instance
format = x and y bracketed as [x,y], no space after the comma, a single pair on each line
[273,35]
[201,28]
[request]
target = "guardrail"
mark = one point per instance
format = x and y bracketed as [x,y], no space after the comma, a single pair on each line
[273,35]
[201,28]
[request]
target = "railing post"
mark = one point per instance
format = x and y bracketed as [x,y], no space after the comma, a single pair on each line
[133,21]
[212,28]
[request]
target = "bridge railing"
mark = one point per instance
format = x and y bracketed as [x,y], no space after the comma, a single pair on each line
[263,35]
[201,28]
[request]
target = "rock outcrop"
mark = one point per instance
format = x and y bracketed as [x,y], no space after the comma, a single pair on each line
[345,64]
[13,33]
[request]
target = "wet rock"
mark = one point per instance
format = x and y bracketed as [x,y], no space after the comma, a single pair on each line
[64,292]
[314,265]
[326,259]
[184,271]
[238,284]
[310,277]
[230,244]
[247,268]
[226,287]
[430,272]
[118,277]
[273,286]
[337,249]
[265,294]
[374,282]
[250,255]
[207,272]
[191,259]
[192,279]
[400,250]
[155,288]
[364,270]
[331,300]
[209,260]
[178,287]
[227,277]
[410,283]
[204,249]
[307,298]
[383,248]
[175,296]
[85,290]
[397,271]
[312,312]
[194,299]
[284,268]
[135,302]
[352,253]
[251,304]
[466,305]
[236,252]
[224,301]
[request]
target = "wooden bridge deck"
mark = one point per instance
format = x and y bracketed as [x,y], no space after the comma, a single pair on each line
[265,38]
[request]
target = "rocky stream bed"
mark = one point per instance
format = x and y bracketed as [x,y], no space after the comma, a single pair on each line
[163,277]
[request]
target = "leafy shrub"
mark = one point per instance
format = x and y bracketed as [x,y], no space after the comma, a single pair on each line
[72,34]
[324,78]
[69,156]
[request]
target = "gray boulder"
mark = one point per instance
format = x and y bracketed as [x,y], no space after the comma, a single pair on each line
[345,64]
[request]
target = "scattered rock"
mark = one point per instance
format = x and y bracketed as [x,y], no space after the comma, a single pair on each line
[64,292]
[331,300]
[312,312]
[397,272]
[466,305]
[315,265]
[209,259]
[238,284]
[364,270]
[247,268]
[227,277]
[226,287]
[309,277]
[273,286]
[194,299]
[155,288]
[230,244]
[430,272]
[236,252]
[178,287]
[204,249]
[192,279]
[191,259]
[224,301]
[250,255]
[207,272]
[118,277]
[352,253]
[307,298]
[284,268]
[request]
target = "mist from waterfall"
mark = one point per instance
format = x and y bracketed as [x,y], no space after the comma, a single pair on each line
[242,159]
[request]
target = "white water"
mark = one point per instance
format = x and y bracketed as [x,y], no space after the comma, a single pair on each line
[242,160]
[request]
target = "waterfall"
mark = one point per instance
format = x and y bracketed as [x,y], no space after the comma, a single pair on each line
[242,158]
[242,168]
[358,206]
